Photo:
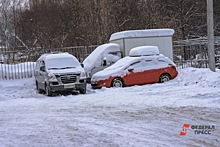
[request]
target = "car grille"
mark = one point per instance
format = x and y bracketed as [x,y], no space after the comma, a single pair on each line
[68,78]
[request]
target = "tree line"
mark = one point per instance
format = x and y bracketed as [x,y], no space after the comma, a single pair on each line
[64,23]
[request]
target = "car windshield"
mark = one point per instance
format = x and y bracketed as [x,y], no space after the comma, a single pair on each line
[61,63]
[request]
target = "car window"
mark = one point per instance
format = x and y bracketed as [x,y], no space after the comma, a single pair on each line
[136,64]
[149,62]
[116,54]
[161,62]
[62,63]
[42,63]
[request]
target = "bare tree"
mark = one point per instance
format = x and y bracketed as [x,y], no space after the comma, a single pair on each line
[9,12]
[187,17]
[53,23]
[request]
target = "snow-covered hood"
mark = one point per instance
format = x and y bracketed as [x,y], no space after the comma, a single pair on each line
[116,69]
[65,71]
[105,74]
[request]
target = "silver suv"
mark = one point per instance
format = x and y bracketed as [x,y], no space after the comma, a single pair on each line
[59,72]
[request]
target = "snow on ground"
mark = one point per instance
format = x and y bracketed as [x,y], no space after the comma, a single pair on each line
[139,116]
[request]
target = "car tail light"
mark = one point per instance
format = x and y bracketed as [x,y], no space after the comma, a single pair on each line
[171,65]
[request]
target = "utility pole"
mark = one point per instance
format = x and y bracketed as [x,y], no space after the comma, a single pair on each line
[211,53]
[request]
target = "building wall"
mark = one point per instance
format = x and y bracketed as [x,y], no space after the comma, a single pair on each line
[164,44]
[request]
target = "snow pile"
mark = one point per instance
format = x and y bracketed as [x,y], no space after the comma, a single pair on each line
[142,33]
[203,77]
[17,89]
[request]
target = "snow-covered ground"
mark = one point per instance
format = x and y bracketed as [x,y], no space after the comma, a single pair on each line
[139,116]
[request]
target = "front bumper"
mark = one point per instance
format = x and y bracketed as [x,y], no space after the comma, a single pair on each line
[95,85]
[67,87]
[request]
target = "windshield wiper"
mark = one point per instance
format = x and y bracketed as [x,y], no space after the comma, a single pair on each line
[61,68]
[53,68]
[67,67]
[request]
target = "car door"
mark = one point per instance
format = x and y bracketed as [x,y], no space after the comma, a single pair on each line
[151,71]
[135,76]
[36,71]
[41,76]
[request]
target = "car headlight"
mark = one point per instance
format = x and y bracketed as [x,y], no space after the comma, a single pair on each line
[51,76]
[82,74]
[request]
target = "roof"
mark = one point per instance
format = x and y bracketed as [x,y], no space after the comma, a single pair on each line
[142,33]
[144,51]
[55,55]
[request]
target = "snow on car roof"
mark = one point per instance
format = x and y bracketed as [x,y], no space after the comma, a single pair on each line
[144,51]
[128,60]
[122,62]
[98,54]
[56,55]
[142,33]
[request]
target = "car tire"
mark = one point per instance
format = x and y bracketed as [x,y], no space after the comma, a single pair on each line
[82,91]
[164,78]
[117,82]
[47,90]
[38,89]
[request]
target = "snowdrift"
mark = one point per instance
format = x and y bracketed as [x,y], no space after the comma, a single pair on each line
[203,77]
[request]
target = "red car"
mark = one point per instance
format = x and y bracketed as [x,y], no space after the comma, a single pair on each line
[137,70]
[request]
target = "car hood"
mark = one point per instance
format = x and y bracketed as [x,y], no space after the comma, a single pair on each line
[105,74]
[77,70]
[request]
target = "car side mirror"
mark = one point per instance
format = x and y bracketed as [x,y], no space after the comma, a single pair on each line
[130,69]
[42,68]
[82,65]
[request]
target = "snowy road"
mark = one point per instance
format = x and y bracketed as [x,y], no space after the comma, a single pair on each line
[139,116]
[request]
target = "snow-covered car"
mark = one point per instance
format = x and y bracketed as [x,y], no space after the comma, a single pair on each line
[144,65]
[58,72]
[102,57]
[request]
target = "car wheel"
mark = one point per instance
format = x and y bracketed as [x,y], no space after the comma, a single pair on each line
[47,90]
[82,91]
[164,78]
[117,82]
[38,89]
